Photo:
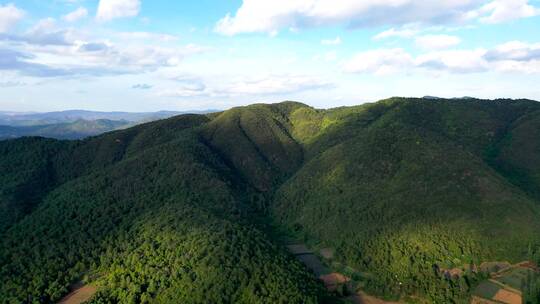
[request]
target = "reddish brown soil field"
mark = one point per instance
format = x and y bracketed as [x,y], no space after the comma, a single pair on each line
[508,297]
[478,300]
[362,298]
[79,295]
[332,280]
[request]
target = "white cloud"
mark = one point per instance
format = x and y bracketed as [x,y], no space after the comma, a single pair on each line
[111,9]
[141,86]
[271,16]
[274,84]
[44,25]
[515,50]
[328,56]
[45,56]
[44,32]
[182,92]
[9,16]
[514,56]
[10,84]
[241,86]
[147,36]
[401,33]
[498,11]
[530,67]
[436,42]
[77,14]
[334,41]
[50,49]
[132,57]
[455,61]
[186,86]
[380,62]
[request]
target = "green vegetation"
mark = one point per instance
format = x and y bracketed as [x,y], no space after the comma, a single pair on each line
[180,210]
[152,218]
[487,289]
[403,186]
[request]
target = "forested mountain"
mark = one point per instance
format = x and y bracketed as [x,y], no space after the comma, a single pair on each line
[190,209]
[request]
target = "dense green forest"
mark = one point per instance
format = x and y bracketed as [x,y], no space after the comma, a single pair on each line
[186,209]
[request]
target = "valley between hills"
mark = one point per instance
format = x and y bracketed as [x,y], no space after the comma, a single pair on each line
[405,200]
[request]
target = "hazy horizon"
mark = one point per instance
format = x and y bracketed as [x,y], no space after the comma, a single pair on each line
[3,111]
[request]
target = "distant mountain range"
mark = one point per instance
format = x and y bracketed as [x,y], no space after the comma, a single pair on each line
[75,124]
[68,130]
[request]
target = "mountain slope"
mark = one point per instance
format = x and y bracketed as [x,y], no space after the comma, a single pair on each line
[395,194]
[181,209]
[161,222]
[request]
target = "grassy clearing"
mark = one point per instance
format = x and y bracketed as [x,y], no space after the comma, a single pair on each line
[487,289]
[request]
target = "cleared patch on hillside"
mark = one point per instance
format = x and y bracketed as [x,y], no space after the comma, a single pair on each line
[333,280]
[79,295]
[363,298]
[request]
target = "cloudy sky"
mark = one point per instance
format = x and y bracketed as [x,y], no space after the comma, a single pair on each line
[146,55]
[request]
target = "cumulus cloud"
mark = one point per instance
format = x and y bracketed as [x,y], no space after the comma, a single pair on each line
[147,36]
[431,42]
[186,86]
[25,64]
[391,61]
[498,11]
[93,47]
[516,51]
[46,32]
[271,16]
[142,86]
[274,85]
[516,56]
[380,61]
[9,16]
[334,41]
[264,85]
[11,60]
[76,15]
[513,56]
[455,61]
[183,91]
[111,9]
[10,84]
[89,58]
[404,32]
[328,56]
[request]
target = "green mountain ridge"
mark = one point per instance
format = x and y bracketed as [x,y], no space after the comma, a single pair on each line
[186,209]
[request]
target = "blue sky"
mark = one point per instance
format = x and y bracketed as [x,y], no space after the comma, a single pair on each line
[142,55]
